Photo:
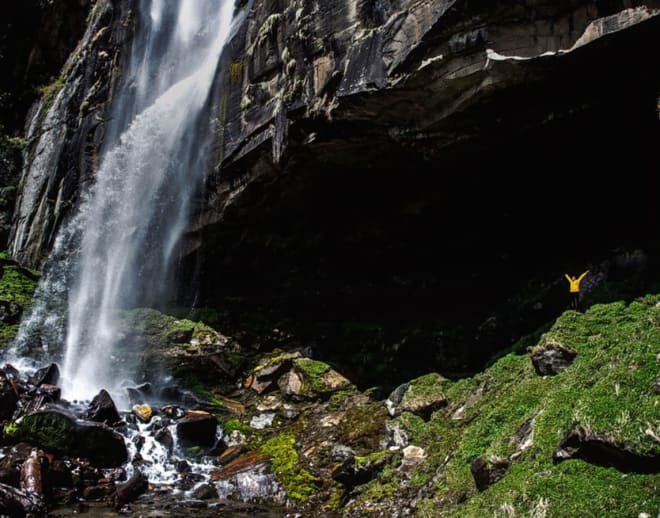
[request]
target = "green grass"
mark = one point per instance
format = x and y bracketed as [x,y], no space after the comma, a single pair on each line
[609,389]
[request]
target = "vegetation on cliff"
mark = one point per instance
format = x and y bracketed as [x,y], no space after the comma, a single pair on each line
[17,286]
[509,413]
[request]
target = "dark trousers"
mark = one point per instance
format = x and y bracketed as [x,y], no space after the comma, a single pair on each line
[575,300]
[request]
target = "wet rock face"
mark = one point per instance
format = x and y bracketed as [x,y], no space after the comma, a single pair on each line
[66,129]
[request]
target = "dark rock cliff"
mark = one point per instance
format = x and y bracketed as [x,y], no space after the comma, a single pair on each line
[392,163]
[65,131]
[395,173]
[36,38]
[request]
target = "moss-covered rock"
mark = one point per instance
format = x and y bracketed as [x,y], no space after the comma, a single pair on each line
[17,287]
[422,396]
[63,434]
[193,352]
[298,482]
[363,427]
[311,379]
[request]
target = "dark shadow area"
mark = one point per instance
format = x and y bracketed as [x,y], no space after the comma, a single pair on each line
[390,265]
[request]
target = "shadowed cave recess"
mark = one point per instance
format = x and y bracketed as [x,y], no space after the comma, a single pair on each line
[392,260]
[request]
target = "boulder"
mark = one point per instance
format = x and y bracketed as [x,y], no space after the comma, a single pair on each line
[422,396]
[164,437]
[553,359]
[61,433]
[133,488]
[49,375]
[265,375]
[205,492]
[102,409]
[197,427]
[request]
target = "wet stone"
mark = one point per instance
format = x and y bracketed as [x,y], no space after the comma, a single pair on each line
[49,375]
[131,490]
[50,392]
[138,440]
[181,466]
[164,437]
[143,412]
[102,409]
[205,492]
[197,428]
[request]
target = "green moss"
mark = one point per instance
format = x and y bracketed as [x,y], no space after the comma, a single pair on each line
[334,501]
[201,389]
[424,391]
[608,389]
[17,284]
[362,427]
[49,92]
[234,424]
[299,483]
[236,71]
[312,371]
[374,460]
[11,429]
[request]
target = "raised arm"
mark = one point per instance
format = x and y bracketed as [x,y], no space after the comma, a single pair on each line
[583,276]
[568,278]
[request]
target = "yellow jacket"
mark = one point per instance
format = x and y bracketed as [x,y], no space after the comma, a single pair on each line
[574,284]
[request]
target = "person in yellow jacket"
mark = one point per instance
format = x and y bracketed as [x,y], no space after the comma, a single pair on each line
[574,287]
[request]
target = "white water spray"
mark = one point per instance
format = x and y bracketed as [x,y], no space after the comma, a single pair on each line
[120,245]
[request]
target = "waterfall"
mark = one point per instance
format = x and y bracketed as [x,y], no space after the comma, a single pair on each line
[117,250]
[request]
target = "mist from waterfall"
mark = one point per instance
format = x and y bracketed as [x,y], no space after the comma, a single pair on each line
[118,249]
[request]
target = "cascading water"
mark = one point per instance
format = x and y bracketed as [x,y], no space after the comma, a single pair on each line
[116,252]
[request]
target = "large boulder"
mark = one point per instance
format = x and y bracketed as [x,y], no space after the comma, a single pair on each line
[197,427]
[49,375]
[102,409]
[59,432]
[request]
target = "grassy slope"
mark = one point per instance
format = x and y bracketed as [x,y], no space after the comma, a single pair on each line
[609,389]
